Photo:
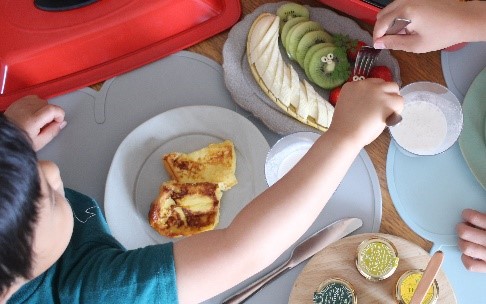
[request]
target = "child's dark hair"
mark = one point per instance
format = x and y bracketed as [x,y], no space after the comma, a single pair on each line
[19,196]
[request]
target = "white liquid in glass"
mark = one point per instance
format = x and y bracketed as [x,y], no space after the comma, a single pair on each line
[423,128]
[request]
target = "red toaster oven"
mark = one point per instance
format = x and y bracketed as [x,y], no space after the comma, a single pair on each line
[364,10]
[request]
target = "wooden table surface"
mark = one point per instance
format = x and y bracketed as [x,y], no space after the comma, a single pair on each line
[411,70]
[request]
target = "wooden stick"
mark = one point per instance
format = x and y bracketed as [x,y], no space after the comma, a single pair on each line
[428,277]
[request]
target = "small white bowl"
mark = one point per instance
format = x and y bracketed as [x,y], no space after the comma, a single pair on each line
[432,119]
[286,153]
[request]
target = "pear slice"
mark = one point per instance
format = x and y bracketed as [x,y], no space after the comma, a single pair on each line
[257,43]
[276,86]
[262,63]
[312,99]
[286,90]
[295,87]
[269,74]
[325,111]
[304,105]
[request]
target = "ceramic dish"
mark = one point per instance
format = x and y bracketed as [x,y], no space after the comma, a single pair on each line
[473,137]
[244,88]
[286,153]
[136,171]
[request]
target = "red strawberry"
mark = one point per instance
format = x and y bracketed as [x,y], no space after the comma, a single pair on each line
[334,95]
[353,49]
[381,71]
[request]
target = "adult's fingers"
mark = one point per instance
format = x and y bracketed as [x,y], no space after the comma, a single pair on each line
[471,234]
[472,250]
[472,264]
[475,218]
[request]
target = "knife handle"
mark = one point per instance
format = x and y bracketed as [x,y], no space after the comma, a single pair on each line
[251,289]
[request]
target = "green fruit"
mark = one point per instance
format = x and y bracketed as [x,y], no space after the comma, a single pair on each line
[308,40]
[288,25]
[311,52]
[290,11]
[329,67]
[296,33]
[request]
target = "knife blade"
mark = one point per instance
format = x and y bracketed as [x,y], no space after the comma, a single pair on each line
[304,250]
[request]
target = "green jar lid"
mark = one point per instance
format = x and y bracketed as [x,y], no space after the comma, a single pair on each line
[376,258]
[335,291]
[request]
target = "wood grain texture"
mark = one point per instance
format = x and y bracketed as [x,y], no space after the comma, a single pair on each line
[338,260]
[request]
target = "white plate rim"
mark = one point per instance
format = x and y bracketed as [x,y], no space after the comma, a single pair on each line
[125,223]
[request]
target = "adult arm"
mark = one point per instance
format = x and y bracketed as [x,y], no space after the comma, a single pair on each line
[41,121]
[436,24]
[214,261]
[472,240]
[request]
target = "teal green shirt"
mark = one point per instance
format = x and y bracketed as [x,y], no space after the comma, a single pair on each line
[96,268]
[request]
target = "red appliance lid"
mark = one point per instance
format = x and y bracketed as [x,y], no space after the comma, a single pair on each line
[50,53]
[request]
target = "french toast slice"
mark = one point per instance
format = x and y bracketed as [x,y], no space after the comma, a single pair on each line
[215,163]
[184,209]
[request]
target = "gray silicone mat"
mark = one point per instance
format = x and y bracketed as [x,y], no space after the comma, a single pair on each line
[461,67]
[99,121]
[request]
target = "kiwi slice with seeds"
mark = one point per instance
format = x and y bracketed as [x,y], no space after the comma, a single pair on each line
[329,67]
[288,25]
[296,34]
[290,11]
[311,52]
[308,40]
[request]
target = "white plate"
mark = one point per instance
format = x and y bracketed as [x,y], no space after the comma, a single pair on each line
[136,171]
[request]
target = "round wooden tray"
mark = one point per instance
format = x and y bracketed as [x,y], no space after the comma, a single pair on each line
[338,260]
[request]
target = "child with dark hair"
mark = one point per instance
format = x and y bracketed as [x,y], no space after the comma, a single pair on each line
[74,259]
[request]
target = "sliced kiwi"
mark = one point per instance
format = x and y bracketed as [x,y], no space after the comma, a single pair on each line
[329,67]
[288,25]
[311,52]
[296,34]
[308,40]
[290,11]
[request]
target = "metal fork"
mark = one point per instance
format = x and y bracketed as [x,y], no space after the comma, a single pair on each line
[365,60]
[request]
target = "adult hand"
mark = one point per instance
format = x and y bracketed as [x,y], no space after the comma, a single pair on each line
[472,240]
[363,108]
[40,120]
[436,24]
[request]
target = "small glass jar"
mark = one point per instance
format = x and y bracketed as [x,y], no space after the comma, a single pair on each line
[335,291]
[376,258]
[407,283]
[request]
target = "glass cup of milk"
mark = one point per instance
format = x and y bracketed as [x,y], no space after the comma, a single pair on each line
[432,119]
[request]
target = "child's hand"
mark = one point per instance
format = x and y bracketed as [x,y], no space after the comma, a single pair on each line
[436,24]
[363,108]
[40,120]
[472,240]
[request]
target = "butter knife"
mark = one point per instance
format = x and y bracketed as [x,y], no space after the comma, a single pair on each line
[301,252]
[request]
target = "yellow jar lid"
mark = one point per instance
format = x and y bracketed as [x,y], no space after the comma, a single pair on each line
[377,258]
[335,291]
[407,283]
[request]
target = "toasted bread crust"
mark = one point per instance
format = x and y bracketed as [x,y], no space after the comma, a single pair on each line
[184,209]
[215,163]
